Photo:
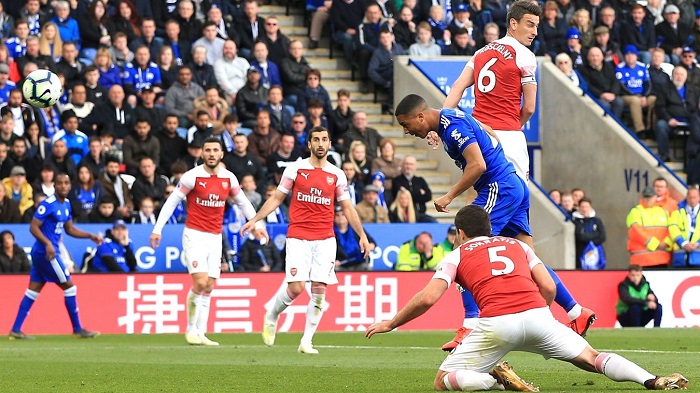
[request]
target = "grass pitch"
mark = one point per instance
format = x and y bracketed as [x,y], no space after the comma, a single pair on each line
[397,362]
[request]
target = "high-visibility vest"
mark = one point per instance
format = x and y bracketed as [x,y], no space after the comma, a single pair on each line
[647,227]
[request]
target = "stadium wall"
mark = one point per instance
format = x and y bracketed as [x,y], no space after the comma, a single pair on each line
[154,303]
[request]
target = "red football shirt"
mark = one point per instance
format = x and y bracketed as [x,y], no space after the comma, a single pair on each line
[496,270]
[314,192]
[206,197]
[501,68]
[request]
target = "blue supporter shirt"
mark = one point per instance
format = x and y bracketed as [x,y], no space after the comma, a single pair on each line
[459,130]
[15,47]
[52,214]
[77,144]
[139,78]
[112,249]
[634,79]
[5,91]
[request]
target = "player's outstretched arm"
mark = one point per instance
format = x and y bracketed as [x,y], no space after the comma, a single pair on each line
[416,307]
[529,102]
[356,224]
[466,79]
[72,230]
[270,205]
[475,167]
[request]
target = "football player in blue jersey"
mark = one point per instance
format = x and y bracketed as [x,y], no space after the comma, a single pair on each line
[52,217]
[501,192]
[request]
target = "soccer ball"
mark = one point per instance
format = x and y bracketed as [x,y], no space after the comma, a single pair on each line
[42,88]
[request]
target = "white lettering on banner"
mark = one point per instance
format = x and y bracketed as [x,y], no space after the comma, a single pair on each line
[356,304]
[146,259]
[154,304]
[231,305]
[678,292]
[291,311]
[383,256]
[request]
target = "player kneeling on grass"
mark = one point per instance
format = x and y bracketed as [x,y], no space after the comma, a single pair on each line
[206,187]
[513,290]
[314,184]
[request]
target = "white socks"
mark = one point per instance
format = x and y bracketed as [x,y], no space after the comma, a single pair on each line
[575,312]
[468,380]
[203,313]
[620,369]
[193,301]
[283,299]
[314,312]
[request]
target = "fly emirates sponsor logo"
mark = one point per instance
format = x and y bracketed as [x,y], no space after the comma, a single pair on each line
[213,201]
[315,195]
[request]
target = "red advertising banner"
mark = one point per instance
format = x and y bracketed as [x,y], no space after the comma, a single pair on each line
[155,303]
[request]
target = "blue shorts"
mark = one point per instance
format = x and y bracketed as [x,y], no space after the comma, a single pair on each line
[48,271]
[508,203]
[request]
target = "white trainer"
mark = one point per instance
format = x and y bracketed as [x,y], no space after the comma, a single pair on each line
[269,331]
[307,348]
[206,341]
[193,338]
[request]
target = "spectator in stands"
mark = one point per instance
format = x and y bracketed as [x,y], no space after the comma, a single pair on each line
[93,30]
[231,71]
[115,254]
[17,45]
[639,31]
[299,131]
[193,156]
[346,16]
[76,141]
[564,63]
[293,69]
[242,162]
[420,191]
[139,144]
[79,103]
[636,88]
[140,74]
[121,54]
[403,210]
[148,38]
[8,23]
[638,305]
[649,242]
[448,244]
[348,256]
[167,66]
[281,214]
[695,31]
[285,154]
[51,119]
[203,74]
[555,196]
[112,115]
[490,34]
[67,25]
[37,143]
[9,209]
[7,135]
[577,194]
[671,34]
[211,41]
[19,109]
[32,55]
[264,140]
[106,212]
[315,117]
[214,105]
[231,128]
[6,85]
[146,213]
[34,15]
[582,23]
[148,183]
[659,75]
[425,45]
[354,188]
[387,163]
[256,257]
[249,189]
[116,188]
[602,84]
[462,44]
[608,19]
[179,100]
[182,50]
[280,114]
[96,93]
[190,25]
[84,194]
[202,128]
[320,12]
[567,203]
[368,210]
[18,188]
[654,10]
[276,42]
[589,228]
[172,146]
[663,195]
[574,48]
[251,27]
[357,155]
[341,119]
[688,62]
[13,259]
[552,30]
[44,183]
[381,66]
[684,231]
[611,51]
[147,109]
[419,253]
[675,104]
[110,74]
[438,27]
[460,22]
[61,161]
[19,155]
[250,98]
[361,132]
[269,71]
[405,29]
[314,90]
[126,20]
[95,159]
[225,28]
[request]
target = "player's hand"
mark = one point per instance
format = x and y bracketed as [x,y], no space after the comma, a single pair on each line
[364,246]
[442,203]
[379,327]
[97,238]
[155,240]
[247,227]
[433,139]
[261,234]
[50,252]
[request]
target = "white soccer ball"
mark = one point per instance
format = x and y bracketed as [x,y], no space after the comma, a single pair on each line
[42,88]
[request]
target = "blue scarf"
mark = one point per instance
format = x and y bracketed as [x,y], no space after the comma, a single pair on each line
[439,24]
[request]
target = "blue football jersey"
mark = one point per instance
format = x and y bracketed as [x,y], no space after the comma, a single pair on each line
[459,130]
[141,79]
[52,214]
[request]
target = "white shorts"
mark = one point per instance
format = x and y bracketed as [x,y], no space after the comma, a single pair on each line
[515,148]
[311,260]
[202,252]
[533,331]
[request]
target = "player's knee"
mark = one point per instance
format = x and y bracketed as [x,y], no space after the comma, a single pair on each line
[296,288]
[439,383]
[586,360]
[200,284]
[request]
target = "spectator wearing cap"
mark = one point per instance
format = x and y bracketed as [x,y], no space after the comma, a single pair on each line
[348,255]
[636,88]
[611,51]
[552,30]
[574,48]
[688,62]
[250,98]
[6,85]
[147,109]
[602,84]
[368,210]
[672,34]
[639,31]
[448,244]
[648,241]
[115,254]
[675,104]
[194,154]
[18,188]
[76,141]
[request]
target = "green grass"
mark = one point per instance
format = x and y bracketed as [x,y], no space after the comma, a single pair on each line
[397,362]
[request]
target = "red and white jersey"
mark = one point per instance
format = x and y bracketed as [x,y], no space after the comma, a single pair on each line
[501,68]
[496,270]
[206,197]
[313,191]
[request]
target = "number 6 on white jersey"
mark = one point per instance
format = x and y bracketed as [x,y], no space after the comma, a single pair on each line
[494,257]
[485,72]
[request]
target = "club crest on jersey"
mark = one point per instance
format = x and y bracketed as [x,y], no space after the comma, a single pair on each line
[293,271]
[195,264]
[329,180]
[224,184]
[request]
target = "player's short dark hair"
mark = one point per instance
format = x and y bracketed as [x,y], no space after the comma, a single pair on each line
[521,8]
[474,221]
[410,105]
[213,139]
[318,129]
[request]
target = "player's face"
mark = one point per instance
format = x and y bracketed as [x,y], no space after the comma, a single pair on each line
[526,29]
[415,125]
[319,143]
[635,277]
[62,186]
[212,154]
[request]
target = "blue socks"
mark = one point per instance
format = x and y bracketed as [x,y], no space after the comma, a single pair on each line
[72,308]
[471,310]
[563,298]
[24,307]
